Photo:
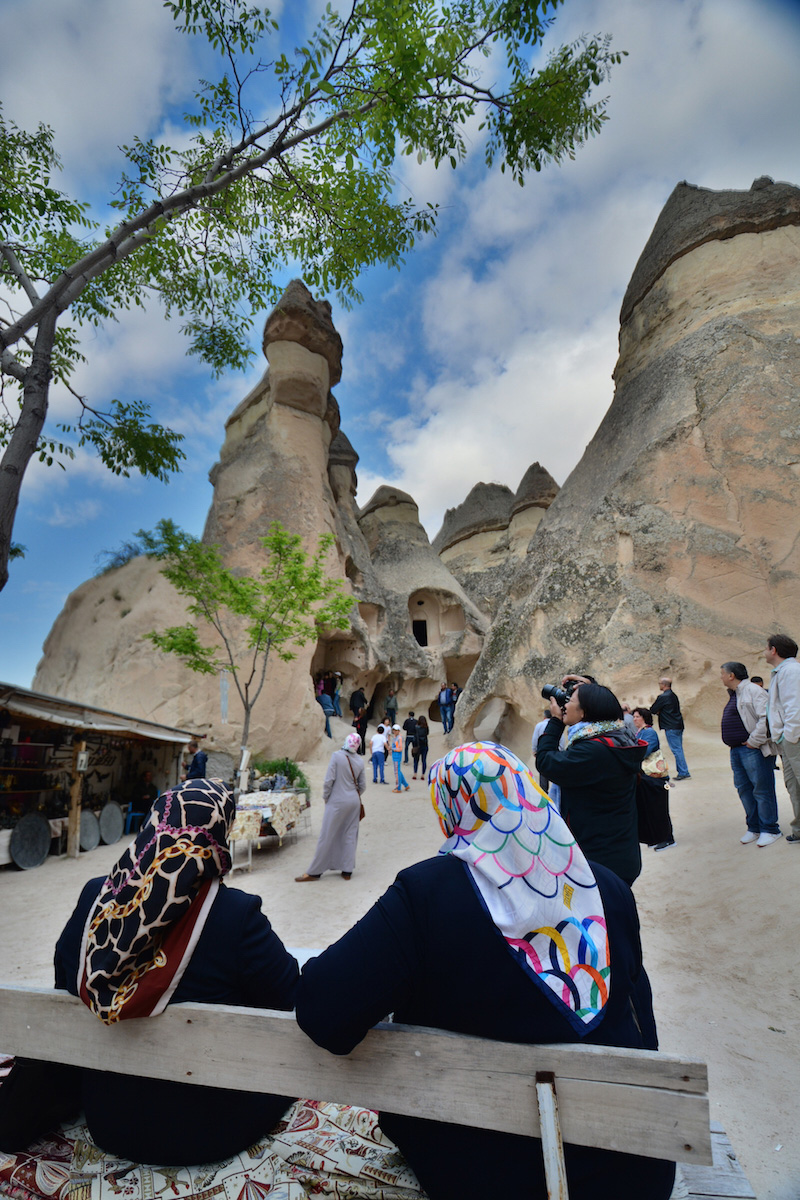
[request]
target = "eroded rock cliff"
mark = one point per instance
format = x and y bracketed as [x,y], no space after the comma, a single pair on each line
[673,545]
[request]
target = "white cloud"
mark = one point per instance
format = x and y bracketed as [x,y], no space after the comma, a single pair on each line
[80,513]
[98,71]
[520,317]
[536,407]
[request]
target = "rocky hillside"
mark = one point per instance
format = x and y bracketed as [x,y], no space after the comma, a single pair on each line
[673,544]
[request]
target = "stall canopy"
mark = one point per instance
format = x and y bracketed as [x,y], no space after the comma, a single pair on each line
[69,769]
[83,716]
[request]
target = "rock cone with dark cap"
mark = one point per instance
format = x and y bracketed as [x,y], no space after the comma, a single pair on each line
[299,318]
[284,459]
[483,539]
[672,546]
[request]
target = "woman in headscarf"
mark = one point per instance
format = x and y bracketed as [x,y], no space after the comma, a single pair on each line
[596,775]
[345,783]
[163,928]
[508,934]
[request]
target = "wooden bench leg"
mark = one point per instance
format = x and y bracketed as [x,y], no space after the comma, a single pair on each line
[555,1171]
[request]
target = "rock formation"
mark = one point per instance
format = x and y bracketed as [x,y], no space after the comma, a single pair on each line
[673,544]
[284,459]
[440,629]
[482,540]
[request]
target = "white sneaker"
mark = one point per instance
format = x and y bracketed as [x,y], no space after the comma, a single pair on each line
[767,839]
[751,837]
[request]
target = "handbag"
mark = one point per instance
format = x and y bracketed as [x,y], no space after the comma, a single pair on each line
[655,765]
[361,813]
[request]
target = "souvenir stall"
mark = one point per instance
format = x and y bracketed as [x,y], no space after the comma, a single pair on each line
[69,773]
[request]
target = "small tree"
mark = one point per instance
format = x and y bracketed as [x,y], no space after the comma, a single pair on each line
[291,161]
[283,607]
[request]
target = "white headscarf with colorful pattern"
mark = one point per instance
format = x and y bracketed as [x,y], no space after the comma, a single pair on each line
[533,878]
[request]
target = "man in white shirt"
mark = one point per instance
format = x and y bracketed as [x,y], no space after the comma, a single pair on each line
[783,715]
[376,750]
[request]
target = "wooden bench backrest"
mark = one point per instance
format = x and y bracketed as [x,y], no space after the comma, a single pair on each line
[635,1101]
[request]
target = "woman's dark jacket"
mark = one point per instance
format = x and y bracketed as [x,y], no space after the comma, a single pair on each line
[598,793]
[238,960]
[428,952]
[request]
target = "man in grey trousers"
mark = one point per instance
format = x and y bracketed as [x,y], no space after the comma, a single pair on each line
[783,715]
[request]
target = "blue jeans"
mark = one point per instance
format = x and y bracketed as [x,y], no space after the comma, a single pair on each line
[675,742]
[399,777]
[448,712]
[377,765]
[754,780]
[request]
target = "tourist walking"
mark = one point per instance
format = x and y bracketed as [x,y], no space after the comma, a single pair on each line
[390,708]
[326,704]
[446,707]
[360,724]
[344,785]
[377,748]
[744,732]
[667,708]
[197,767]
[783,716]
[419,749]
[396,744]
[409,729]
[652,792]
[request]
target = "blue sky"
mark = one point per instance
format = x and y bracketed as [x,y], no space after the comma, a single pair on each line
[491,348]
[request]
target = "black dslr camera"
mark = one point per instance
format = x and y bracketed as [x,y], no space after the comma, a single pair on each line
[560,694]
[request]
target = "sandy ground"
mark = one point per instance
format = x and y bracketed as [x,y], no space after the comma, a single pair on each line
[718,941]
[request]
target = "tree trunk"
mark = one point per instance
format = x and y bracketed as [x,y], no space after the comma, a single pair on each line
[242,773]
[25,438]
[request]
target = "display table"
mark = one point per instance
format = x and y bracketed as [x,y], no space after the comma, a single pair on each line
[280,811]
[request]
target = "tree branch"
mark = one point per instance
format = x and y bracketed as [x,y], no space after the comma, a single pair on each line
[20,272]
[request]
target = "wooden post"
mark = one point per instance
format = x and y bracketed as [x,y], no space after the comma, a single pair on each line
[555,1171]
[74,823]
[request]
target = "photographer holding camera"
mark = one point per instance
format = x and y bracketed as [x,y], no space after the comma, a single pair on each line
[596,773]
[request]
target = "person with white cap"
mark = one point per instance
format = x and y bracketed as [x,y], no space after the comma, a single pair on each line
[396,746]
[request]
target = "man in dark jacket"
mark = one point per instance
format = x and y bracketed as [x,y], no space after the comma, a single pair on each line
[197,767]
[410,730]
[668,710]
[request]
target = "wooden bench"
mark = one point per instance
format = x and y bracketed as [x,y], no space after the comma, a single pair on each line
[635,1101]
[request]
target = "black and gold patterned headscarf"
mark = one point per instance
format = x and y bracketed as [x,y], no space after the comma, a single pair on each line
[150,912]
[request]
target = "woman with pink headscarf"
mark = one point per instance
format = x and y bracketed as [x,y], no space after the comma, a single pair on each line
[509,933]
[345,783]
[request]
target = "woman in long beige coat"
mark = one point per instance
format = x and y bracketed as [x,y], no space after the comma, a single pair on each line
[345,783]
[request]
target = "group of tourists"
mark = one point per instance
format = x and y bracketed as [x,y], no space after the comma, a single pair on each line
[527,911]
[328,692]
